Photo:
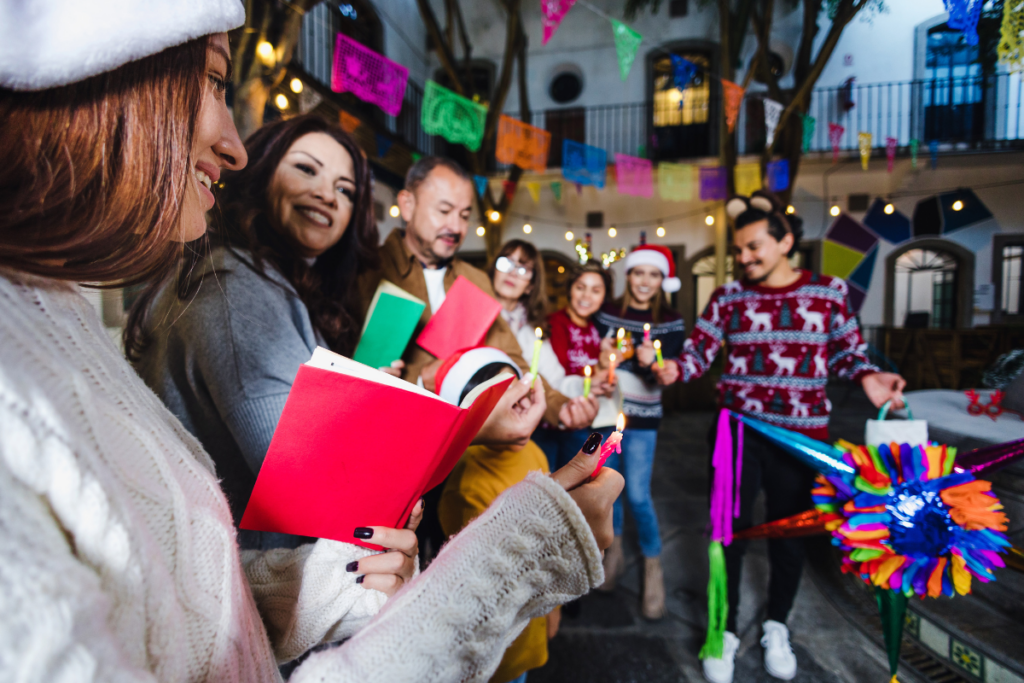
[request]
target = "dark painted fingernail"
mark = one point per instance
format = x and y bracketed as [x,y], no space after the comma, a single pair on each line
[423,503]
[352,566]
[363,532]
[593,441]
[359,579]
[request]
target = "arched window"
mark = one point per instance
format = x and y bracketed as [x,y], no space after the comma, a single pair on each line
[925,289]
[704,281]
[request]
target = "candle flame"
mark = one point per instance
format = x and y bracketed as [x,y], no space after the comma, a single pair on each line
[539,332]
[620,424]
[611,357]
[622,333]
[586,370]
[647,327]
[657,343]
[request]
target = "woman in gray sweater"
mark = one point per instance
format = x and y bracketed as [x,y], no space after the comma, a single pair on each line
[221,343]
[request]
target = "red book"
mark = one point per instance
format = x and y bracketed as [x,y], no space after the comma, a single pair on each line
[358,447]
[461,322]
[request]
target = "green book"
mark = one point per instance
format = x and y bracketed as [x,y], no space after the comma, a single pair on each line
[390,323]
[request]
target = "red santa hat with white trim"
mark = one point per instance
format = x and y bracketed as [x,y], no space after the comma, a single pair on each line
[459,368]
[661,258]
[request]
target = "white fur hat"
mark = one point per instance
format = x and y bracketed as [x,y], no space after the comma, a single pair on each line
[456,371]
[49,43]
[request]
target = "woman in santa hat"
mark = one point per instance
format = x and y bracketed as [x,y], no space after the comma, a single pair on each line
[643,308]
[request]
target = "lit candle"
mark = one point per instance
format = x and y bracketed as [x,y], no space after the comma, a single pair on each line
[647,332]
[535,364]
[613,443]
[657,351]
[586,381]
[621,339]
[611,368]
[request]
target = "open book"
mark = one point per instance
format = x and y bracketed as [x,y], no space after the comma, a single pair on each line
[390,322]
[357,447]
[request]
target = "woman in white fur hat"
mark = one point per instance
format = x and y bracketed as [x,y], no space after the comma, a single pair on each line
[120,560]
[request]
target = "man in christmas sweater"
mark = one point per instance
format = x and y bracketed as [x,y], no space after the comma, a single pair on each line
[785,331]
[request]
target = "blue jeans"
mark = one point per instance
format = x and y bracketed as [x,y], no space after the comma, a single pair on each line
[635,464]
[562,445]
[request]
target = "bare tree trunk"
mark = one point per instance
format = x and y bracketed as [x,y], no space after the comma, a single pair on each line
[514,58]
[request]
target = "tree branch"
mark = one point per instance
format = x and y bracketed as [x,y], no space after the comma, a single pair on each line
[801,97]
[444,50]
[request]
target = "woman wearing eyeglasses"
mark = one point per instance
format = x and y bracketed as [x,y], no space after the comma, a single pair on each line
[517,276]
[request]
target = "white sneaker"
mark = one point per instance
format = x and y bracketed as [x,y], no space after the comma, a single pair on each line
[779,660]
[720,670]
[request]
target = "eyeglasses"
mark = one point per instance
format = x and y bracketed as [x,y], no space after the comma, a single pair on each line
[505,265]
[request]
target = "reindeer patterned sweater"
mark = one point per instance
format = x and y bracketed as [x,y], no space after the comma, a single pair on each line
[781,345]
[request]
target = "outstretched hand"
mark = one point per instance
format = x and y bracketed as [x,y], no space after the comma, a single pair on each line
[645,354]
[594,496]
[579,412]
[884,386]
[515,416]
[668,374]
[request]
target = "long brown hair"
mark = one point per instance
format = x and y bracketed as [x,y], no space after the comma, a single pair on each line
[327,288]
[95,172]
[535,300]
[657,301]
[590,267]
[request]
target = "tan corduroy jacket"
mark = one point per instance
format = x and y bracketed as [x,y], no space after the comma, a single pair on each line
[400,266]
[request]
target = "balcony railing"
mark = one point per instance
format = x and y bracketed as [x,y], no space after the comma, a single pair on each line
[977,112]
[972,112]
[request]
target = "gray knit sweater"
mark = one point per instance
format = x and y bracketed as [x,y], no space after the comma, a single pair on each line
[223,363]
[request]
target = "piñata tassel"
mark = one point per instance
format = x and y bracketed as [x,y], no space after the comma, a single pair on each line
[718,603]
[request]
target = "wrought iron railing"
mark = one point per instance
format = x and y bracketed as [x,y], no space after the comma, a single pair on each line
[977,112]
[974,112]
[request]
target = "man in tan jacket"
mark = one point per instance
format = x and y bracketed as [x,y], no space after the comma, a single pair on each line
[436,205]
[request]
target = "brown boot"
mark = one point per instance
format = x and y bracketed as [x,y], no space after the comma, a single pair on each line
[614,564]
[653,605]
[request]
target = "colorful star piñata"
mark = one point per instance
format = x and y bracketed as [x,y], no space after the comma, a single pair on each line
[912,524]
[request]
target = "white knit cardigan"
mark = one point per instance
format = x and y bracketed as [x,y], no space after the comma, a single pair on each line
[118,559]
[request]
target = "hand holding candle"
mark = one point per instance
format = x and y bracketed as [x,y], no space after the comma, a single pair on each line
[586,381]
[613,443]
[535,363]
[647,332]
[657,351]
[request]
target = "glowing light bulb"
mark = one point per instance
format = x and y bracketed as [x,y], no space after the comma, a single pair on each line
[395,211]
[790,209]
[834,210]
[480,231]
[494,216]
[527,228]
[957,205]
[568,235]
[889,208]
[265,51]
[281,101]
[296,86]
[612,232]
[709,220]
[661,231]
